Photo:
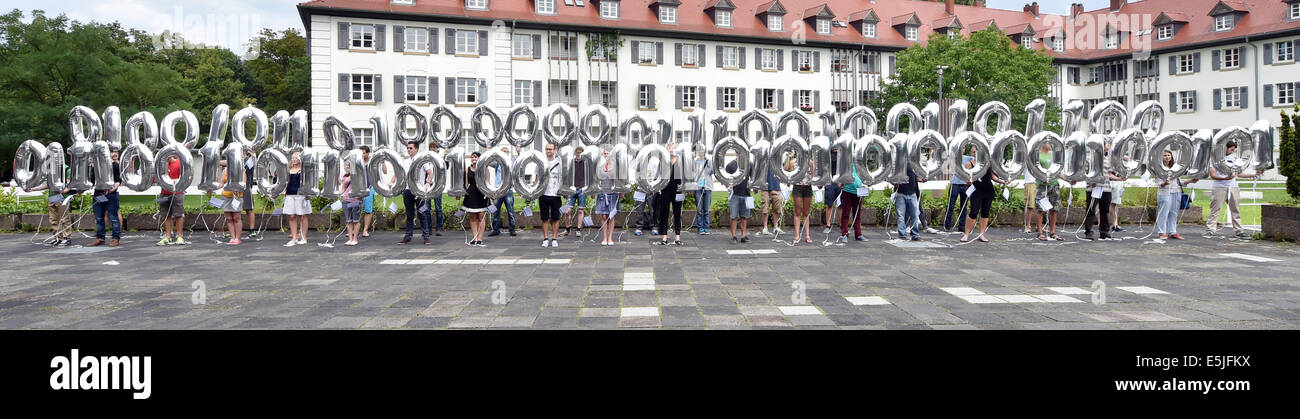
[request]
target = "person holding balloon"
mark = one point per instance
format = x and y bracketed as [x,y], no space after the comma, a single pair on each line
[475,203]
[606,203]
[296,206]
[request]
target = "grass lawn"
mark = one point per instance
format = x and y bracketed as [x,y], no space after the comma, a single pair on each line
[1250,214]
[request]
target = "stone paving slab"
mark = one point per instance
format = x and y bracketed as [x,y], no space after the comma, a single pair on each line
[1013,282]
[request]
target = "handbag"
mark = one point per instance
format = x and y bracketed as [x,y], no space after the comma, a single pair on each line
[1185,202]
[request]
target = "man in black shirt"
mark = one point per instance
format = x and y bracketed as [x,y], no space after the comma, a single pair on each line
[907,200]
[740,206]
[106,204]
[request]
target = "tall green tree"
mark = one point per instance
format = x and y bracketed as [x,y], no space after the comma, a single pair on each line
[281,65]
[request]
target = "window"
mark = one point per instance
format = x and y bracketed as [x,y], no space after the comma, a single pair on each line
[1285,93]
[564,91]
[1027,41]
[1094,75]
[644,96]
[667,14]
[689,97]
[466,91]
[1231,58]
[1186,64]
[767,59]
[467,42]
[1222,23]
[805,60]
[476,4]
[417,89]
[646,52]
[602,93]
[523,92]
[363,88]
[911,32]
[1165,32]
[1284,52]
[546,7]
[363,36]
[824,26]
[805,100]
[723,17]
[1187,101]
[1232,98]
[1143,97]
[767,97]
[416,39]
[364,136]
[840,63]
[562,48]
[774,23]
[1295,11]
[729,57]
[1145,68]
[523,46]
[1112,40]
[869,29]
[729,100]
[690,54]
[609,9]
[1058,44]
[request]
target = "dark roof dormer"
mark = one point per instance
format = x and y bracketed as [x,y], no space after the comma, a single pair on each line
[771,14]
[1226,15]
[948,25]
[905,19]
[866,17]
[658,5]
[820,13]
[1167,25]
[714,6]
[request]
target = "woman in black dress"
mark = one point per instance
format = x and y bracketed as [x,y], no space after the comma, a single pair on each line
[475,203]
[980,203]
[671,196]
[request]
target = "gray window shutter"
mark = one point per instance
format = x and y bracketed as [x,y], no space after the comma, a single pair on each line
[399,38]
[1173,101]
[482,91]
[537,92]
[1196,62]
[1194,104]
[875,63]
[758,58]
[740,98]
[1241,55]
[379,88]
[1214,57]
[380,37]
[699,55]
[451,41]
[719,63]
[537,46]
[740,54]
[1218,99]
[652,96]
[1173,65]
[780,99]
[677,54]
[817,101]
[399,89]
[699,98]
[659,53]
[1268,95]
[817,61]
[636,52]
[678,101]
[1268,53]
[719,99]
[794,60]
[613,94]
[780,59]
[482,43]
[433,89]
[345,36]
[450,84]
[345,87]
[1245,97]
[758,98]
[433,40]
[892,61]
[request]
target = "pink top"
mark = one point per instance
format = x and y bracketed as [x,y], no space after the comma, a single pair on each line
[347,190]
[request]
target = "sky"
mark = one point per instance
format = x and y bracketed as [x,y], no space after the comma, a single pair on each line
[230,23]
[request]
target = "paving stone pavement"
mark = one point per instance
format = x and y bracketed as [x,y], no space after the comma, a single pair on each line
[1014,282]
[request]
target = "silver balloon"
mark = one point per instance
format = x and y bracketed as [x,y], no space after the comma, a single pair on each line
[684,168]
[271,173]
[1072,117]
[311,173]
[1127,152]
[1075,157]
[160,168]
[930,116]
[1094,149]
[898,164]
[932,168]
[758,168]
[82,155]
[867,150]
[980,161]
[1108,118]
[529,132]
[764,127]
[802,128]
[663,133]
[1178,144]
[697,140]
[719,125]
[861,115]
[567,174]
[1054,143]
[27,167]
[138,157]
[489,137]
[1008,168]
[452,137]
[93,126]
[565,114]
[831,128]
[112,120]
[56,178]
[1262,134]
[379,122]
[299,131]
[280,132]
[1036,110]
[1149,116]
[648,180]
[958,113]
[239,131]
[217,128]
[1245,150]
[355,165]
[591,159]
[842,148]
[625,131]
[530,164]
[210,171]
[167,132]
[1202,146]
[142,128]
[376,170]
[332,168]
[792,147]
[892,119]
[456,173]
[422,184]
[103,162]
[234,155]
[987,110]
[820,151]
[402,131]
[741,150]
[338,135]
[485,170]
[604,125]
[626,176]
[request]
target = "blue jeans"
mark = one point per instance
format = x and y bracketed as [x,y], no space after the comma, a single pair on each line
[416,207]
[909,215]
[956,192]
[1167,213]
[437,208]
[507,205]
[703,199]
[107,207]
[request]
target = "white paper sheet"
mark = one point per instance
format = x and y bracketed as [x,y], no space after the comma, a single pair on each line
[392,207]
[216,202]
[336,205]
[1097,192]
[638,196]
[528,212]
[970,191]
[1044,205]
[681,197]
[749,202]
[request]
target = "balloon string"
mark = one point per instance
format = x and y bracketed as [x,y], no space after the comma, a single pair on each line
[827,241]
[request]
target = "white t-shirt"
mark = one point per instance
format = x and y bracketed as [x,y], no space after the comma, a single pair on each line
[1230,183]
[555,170]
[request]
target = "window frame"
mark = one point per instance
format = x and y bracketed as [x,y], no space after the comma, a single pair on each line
[470,44]
[823,23]
[767,59]
[609,10]
[690,55]
[1223,23]
[364,136]
[415,81]
[775,23]
[1027,41]
[549,4]
[410,45]
[732,95]
[357,92]
[1234,94]
[722,18]
[466,95]
[803,97]
[690,97]
[523,89]
[1278,47]
[515,46]
[471,4]
[1112,40]
[645,53]
[804,58]
[1294,9]
[643,96]
[730,57]
[1277,94]
[1236,59]
[1165,32]
[911,32]
[357,33]
[1058,44]
[1187,61]
[767,97]
[1186,101]
[667,14]
[868,27]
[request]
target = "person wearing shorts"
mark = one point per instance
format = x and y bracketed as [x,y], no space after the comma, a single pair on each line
[1116,199]
[296,206]
[772,206]
[248,203]
[549,203]
[606,203]
[171,206]
[830,197]
[1051,191]
[981,203]
[801,194]
[1031,207]
[351,211]
[367,203]
[739,207]
[231,208]
[577,201]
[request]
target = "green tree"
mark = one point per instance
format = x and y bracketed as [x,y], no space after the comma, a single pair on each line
[985,67]
[210,83]
[1289,151]
[281,65]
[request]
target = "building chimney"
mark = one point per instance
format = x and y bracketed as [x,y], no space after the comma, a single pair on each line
[1116,4]
[949,7]
[1032,8]
[1076,9]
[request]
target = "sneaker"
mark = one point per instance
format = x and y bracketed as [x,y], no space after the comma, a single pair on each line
[654,232]
[252,234]
[302,241]
[637,232]
[931,230]
[427,241]
[744,239]
[1164,237]
[734,240]
[577,233]
[291,243]
[350,243]
[902,237]
[1088,236]
[778,231]
[843,239]
[164,242]
[1244,235]
[405,240]
[546,243]
[438,233]
[554,243]
[861,238]
[1105,237]
[827,230]
[764,233]
[916,239]
[480,244]
[512,234]
[565,233]
[180,241]
[494,233]
[113,243]
[97,242]
[707,232]
[1176,236]
[1117,229]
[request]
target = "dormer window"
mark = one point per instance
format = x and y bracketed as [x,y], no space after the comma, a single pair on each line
[404,2]
[1027,41]
[1294,8]
[1058,44]
[667,14]
[869,30]
[545,7]
[476,4]
[1165,32]
[1112,40]
[824,26]
[912,32]
[723,18]
[952,34]
[609,9]
[774,23]
[1222,23]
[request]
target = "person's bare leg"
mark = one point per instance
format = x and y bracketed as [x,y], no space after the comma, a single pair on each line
[733,228]
[293,227]
[984,226]
[970,225]
[302,229]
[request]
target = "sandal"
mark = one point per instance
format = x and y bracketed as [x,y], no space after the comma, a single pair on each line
[1042,237]
[982,239]
[1057,238]
[964,240]
[662,243]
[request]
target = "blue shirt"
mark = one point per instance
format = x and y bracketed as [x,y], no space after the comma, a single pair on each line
[772,183]
[964,160]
